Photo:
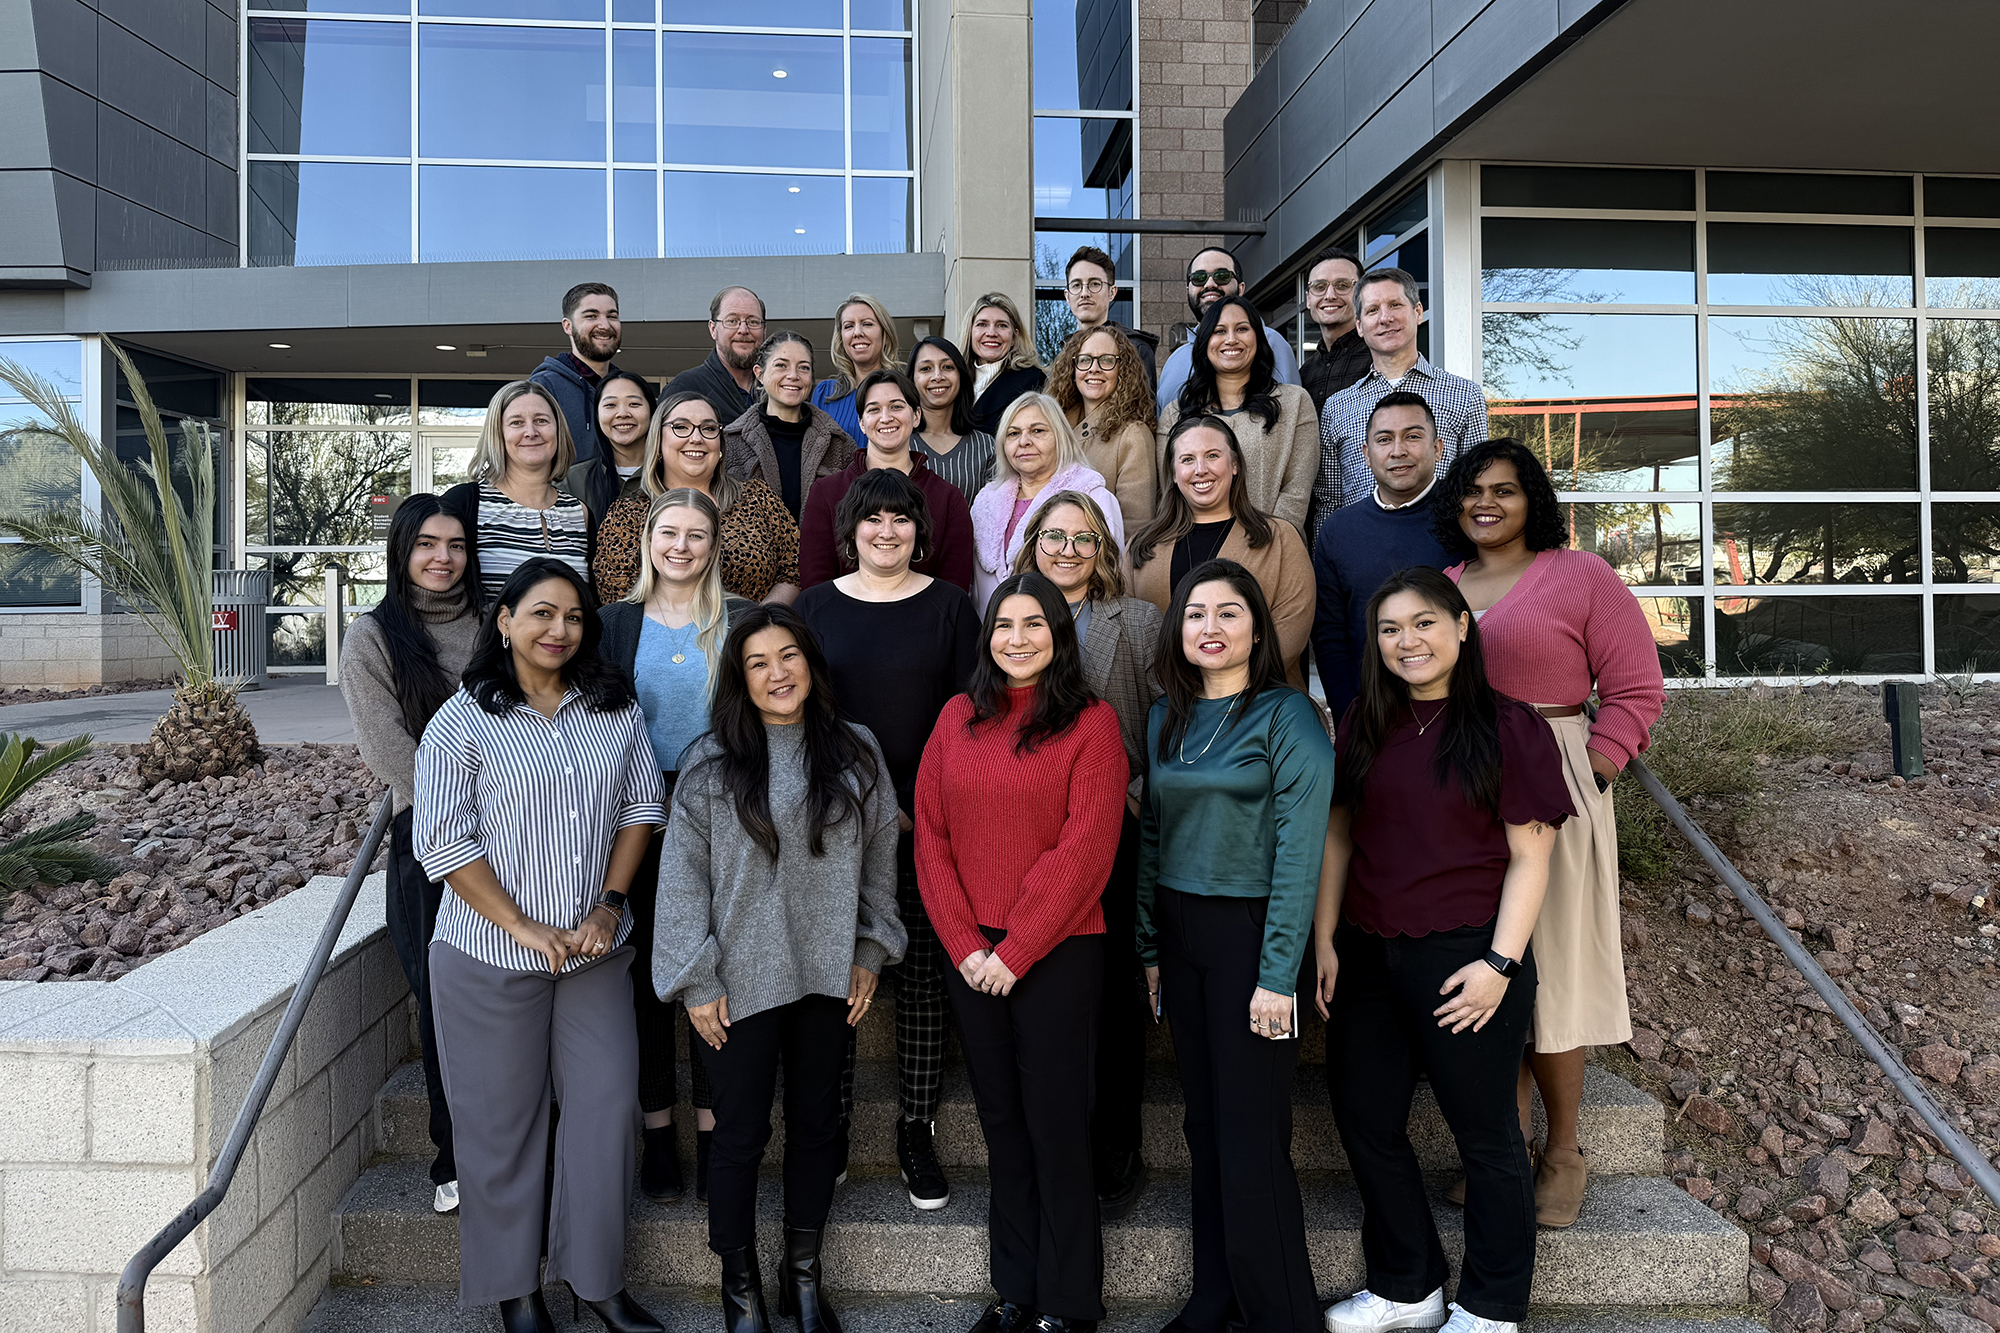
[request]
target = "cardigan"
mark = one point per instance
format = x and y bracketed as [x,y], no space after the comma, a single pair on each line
[1117,650]
[1358,546]
[1280,462]
[1017,842]
[993,507]
[990,406]
[1569,624]
[1282,569]
[368,682]
[950,554]
[1129,466]
[622,621]
[747,451]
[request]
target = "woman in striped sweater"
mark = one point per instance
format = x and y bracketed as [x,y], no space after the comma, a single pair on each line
[511,507]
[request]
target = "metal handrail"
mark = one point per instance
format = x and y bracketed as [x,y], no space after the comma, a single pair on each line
[132,1282]
[1884,1056]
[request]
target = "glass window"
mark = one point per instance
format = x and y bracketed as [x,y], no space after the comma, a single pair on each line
[1799,192]
[635,213]
[38,470]
[1586,187]
[1965,544]
[455,402]
[754,101]
[296,641]
[1762,263]
[1652,544]
[1083,168]
[1576,259]
[1961,265]
[1608,400]
[337,6]
[471,213]
[1964,374]
[633,11]
[1398,218]
[176,387]
[328,402]
[1053,249]
[314,487]
[514,9]
[516,93]
[759,13]
[304,213]
[638,96]
[1806,636]
[1968,630]
[1083,55]
[881,103]
[329,88]
[58,360]
[882,215]
[1961,197]
[30,576]
[1816,543]
[880,15]
[1813,404]
[713,213]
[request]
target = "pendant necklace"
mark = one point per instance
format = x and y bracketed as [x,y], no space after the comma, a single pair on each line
[1212,735]
[1423,726]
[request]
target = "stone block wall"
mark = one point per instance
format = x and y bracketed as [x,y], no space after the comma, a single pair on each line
[70,649]
[121,1095]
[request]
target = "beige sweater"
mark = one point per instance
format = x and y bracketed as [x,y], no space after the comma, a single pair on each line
[368,684]
[1282,461]
[1129,465]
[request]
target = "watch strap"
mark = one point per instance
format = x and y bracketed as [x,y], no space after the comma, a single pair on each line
[1501,963]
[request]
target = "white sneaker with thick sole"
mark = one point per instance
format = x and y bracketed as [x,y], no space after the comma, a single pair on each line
[1464,1322]
[446,1200]
[1365,1312]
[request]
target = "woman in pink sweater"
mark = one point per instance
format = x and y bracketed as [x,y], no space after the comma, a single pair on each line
[1556,625]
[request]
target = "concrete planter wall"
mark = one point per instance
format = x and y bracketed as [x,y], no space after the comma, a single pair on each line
[115,1099]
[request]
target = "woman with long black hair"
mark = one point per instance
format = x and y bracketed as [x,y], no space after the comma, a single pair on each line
[1433,876]
[777,913]
[1239,780]
[947,437]
[622,407]
[399,663]
[536,793]
[1018,803]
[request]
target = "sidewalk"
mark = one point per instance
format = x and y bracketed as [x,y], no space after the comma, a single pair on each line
[289,710]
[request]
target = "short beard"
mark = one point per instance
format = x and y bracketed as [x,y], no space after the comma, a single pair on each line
[583,353]
[732,359]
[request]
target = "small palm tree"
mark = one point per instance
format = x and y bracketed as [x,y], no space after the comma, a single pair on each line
[51,854]
[152,551]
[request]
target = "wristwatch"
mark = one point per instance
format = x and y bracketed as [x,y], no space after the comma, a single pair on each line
[614,901]
[1501,963]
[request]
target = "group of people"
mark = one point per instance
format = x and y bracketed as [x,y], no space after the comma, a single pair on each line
[708,708]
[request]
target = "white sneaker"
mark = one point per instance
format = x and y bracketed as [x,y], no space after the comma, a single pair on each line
[1365,1312]
[447,1198]
[1463,1322]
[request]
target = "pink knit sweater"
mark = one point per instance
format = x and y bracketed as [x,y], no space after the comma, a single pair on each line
[1568,623]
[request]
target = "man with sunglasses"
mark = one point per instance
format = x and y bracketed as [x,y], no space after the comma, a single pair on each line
[736,324]
[1341,357]
[1212,275]
[1090,285]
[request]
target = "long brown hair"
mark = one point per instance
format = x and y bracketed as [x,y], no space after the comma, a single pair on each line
[1176,517]
[1131,398]
[1180,680]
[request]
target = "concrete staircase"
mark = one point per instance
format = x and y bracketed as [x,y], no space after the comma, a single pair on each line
[1644,1256]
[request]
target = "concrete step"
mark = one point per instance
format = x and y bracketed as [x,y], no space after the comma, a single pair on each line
[1621,1127]
[1640,1241]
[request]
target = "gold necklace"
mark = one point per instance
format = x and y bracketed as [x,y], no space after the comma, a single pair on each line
[1423,727]
[1212,735]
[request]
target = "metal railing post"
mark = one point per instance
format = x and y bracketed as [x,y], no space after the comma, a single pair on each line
[336,618]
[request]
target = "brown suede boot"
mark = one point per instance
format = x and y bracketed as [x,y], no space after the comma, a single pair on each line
[1559,1187]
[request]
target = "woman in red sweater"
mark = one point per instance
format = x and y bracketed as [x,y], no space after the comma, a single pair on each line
[1557,625]
[1019,799]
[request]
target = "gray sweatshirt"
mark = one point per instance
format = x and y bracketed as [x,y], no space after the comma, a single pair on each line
[730,920]
[368,684]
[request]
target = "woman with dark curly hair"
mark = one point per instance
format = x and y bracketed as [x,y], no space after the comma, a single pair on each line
[1101,383]
[1557,624]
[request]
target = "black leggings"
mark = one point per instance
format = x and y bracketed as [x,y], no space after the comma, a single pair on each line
[413,899]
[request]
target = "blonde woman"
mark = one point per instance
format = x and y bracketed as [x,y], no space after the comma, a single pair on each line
[511,508]
[1004,364]
[864,342]
[1100,380]
[665,635]
[1038,454]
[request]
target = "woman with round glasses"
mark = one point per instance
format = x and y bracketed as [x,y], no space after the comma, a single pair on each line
[864,341]
[1100,382]
[783,440]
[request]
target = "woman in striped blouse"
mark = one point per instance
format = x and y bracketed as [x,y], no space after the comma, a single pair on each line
[511,507]
[536,793]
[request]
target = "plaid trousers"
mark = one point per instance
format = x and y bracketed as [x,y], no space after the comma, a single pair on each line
[922,1010]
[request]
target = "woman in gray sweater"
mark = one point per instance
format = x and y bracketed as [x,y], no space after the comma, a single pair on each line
[399,662]
[776,914]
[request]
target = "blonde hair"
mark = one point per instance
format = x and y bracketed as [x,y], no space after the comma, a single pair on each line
[489,459]
[1069,450]
[1107,580]
[1021,356]
[711,611]
[844,376]
[653,468]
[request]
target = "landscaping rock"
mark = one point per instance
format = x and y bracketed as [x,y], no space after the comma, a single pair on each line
[1875,1138]
[1871,1209]
[1827,1178]
[1938,1062]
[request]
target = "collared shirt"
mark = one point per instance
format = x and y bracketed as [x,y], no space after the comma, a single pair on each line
[1333,366]
[1457,403]
[542,800]
[1375,494]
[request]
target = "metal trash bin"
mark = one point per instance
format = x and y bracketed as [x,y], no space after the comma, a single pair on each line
[242,641]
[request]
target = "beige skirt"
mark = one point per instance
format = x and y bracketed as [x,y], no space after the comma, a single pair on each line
[1580,994]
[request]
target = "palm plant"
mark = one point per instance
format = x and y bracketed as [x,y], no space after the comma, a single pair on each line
[152,550]
[51,854]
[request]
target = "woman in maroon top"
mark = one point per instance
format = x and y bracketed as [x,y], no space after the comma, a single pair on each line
[1433,876]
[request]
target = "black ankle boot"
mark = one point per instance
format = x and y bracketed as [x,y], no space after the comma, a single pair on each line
[702,1137]
[1003,1316]
[799,1294]
[526,1314]
[622,1314]
[660,1169]
[743,1293]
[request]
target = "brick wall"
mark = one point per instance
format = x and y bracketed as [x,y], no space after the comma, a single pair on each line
[69,649]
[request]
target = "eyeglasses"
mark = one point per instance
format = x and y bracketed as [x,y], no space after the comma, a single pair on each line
[1053,540]
[687,430]
[1319,288]
[1091,285]
[1102,361]
[1220,277]
[736,322]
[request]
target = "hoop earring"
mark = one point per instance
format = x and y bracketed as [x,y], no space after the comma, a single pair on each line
[506,642]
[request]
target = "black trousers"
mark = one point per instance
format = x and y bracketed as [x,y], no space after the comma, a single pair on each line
[658,1083]
[413,899]
[1122,1016]
[1249,1224]
[807,1037]
[921,1012]
[1381,1035]
[1029,1055]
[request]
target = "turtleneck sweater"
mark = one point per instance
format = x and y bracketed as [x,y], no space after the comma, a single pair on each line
[368,682]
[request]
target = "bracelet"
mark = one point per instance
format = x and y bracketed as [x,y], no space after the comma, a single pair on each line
[616,915]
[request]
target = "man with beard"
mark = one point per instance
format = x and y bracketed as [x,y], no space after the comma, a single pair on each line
[590,319]
[1213,274]
[736,323]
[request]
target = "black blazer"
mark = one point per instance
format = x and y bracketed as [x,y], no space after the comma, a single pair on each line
[1005,388]
[622,622]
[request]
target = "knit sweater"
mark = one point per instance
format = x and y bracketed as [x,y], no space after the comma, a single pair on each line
[1358,546]
[994,549]
[950,554]
[1569,623]
[1280,462]
[731,921]
[368,683]
[1018,842]
[1126,462]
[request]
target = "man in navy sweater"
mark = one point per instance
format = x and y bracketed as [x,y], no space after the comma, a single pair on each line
[1365,542]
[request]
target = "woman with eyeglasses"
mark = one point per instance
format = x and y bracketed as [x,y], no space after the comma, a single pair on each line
[864,341]
[1039,454]
[784,441]
[1098,378]
[512,508]
[1117,636]
[623,410]
[947,439]
[1004,364]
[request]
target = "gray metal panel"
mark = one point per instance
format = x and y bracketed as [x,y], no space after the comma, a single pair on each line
[1449,16]
[129,233]
[1320,26]
[72,128]
[221,137]
[1498,42]
[25,146]
[1305,214]
[76,207]
[1386,45]
[139,163]
[219,184]
[29,220]
[64,43]
[177,27]
[1318,120]
[1259,161]
[151,87]
[221,47]
[1380,148]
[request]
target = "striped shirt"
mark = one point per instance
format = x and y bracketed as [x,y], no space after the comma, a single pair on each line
[512,534]
[1458,405]
[968,467]
[540,800]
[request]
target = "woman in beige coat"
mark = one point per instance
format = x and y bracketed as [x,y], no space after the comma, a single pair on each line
[1101,383]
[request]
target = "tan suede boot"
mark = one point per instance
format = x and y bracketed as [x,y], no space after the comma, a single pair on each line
[1559,1187]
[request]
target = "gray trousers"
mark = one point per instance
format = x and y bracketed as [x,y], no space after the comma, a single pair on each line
[505,1041]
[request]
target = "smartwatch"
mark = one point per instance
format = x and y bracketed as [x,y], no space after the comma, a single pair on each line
[614,901]
[1501,963]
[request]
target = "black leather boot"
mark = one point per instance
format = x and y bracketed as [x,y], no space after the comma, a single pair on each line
[526,1314]
[622,1314]
[660,1169]
[799,1294]
[743,1293]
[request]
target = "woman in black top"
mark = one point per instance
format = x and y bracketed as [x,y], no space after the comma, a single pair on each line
[783,440]
[1004,366]
[899,645]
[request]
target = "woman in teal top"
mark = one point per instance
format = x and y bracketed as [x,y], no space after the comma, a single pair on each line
[1238,785]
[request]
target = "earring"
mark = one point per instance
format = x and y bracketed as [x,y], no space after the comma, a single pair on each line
[506,642]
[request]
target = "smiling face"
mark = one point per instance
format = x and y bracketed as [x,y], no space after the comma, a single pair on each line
[1330,293]
[1419,643]
[1211,277]
[437,561]
[528,427]
[690,445]
[1204,465]
[1023,642]
[887,418]
[1031,445]
[1388,319]
[622,414]
[1494,511]
[1065,529]
[1402,450]
[1097,368]
[936,377]
[737,328]
[861,335]
[546,628]
[681,545]
[992,334]
[787,373]
[593,328]
[1233,346]
[1216,630]
[886,543]
[775,669]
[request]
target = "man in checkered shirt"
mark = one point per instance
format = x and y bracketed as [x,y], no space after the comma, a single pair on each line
[1389,315]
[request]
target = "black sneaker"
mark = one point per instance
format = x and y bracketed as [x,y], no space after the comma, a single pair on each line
[1118,1193]
[916,1154]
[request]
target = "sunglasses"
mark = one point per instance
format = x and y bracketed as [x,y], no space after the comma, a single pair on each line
[1220,277]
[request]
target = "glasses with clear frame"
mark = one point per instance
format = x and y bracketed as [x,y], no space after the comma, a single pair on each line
[1319,286]
[1091,285]
[1052,541]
